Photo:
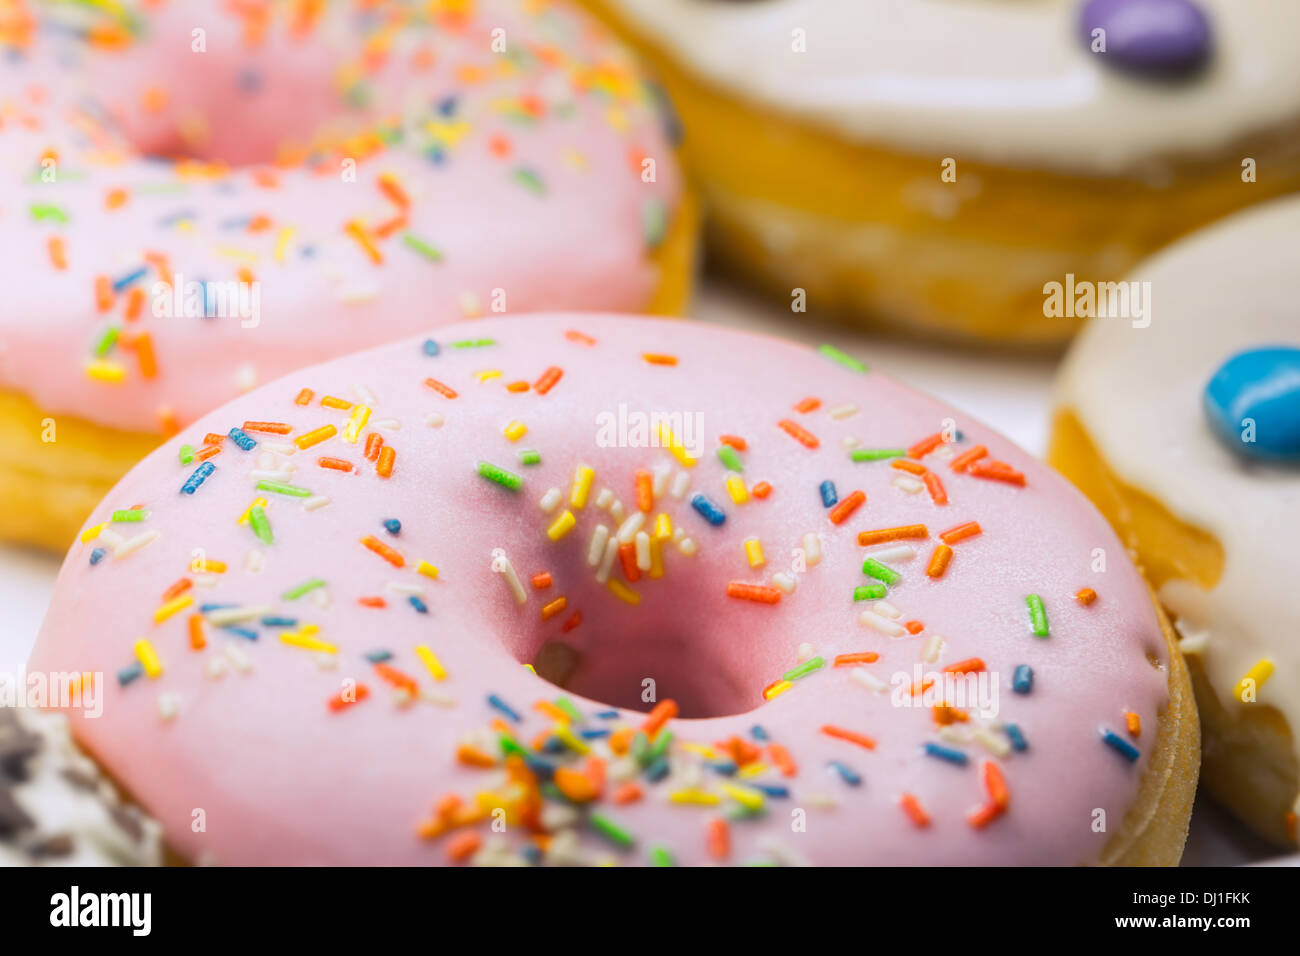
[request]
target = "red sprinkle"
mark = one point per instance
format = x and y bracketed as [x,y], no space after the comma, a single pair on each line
[753,592]
[1085,596]
[341,701]
[972,665]
[735,441]
[966,458]
[548,380]
[761,490]
[542,580]
[997,471]
[808,405]
[915,812]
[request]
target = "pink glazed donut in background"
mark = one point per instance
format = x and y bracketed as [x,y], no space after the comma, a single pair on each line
[199,197]
[585,589]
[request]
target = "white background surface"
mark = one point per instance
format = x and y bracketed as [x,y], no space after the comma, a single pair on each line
[1008,392]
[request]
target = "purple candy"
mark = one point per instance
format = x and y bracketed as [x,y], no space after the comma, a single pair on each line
[1159,37]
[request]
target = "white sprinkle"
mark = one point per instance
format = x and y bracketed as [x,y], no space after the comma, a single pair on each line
[822,801]
[320,597]
[617,511]
[953,735]
[812,549]
[366,395]
[628,529]
[993,743]
[642,550]
[786,582]
[326,662]
[604,498]
[254,559]
[132,545]
[607,560]
[864,677]
[907,483]
[216,667]
[687,546]
[843,411]
[110,538]
[550,501]
[357,292]
[435,419]
[930,653]
[597,547]
[892,553]
[387,424]
[206,580]
[502,565]
[681,484]
[804,652]
[882,625]
[238,658]
[885,609]
[169,705]
[280,447]
[469,305]
[849,442]
[405,587]
[277,474]
[662,472]
[783,854]
[224,616]
[265,459]
[314,502]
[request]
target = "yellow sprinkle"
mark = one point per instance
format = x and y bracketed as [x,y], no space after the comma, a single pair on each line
[752,770]
[424,653]
[530,668]
[148,658]
[1258,675]
[356,421]
[240,255]
[243,519]
[282,243]
[212,567]
[570,739]
[488,374]
[754,553]
[695,797]
[704,750]
[663,527]
[172,607]
[427,569]
[582,479]
[515,431]
[303,639]
[562,526]
[91,533]
[102,370]
[623,592]
[656,558]
[678,450]
[736,488]
[746,797]
[778,689]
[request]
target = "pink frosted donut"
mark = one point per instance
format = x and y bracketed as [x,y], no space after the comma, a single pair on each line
[349,173]
[318,636]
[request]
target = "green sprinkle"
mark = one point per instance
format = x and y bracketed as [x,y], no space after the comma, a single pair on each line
[566,705]
[848,361]
[639,747]
[610,830]
[423,248]
[106,341]
[530,457]
[43,211]
[187,454]
[874,569]
[804,669]
[660,747]
[280,488]
[130,514]
[662,856]
[876,454]
[1037,615]
[261,527]
[530,181]
[869,592]
[729,457]
[473,343]
[511,746]
[506,479]
[654,223]
[298,590]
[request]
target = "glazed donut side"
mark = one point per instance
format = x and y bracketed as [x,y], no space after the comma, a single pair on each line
[421,519]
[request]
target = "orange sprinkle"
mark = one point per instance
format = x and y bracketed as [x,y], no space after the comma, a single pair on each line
[115,199]
[735,441]
[996,784]
[961,532]
[206,452]
[500,146]
[572,622]
[627,558]
[341,700]
[620,740]
[213,438]
[645,496]
[997,471]
[799,433]
[840,733]
[315,436]
[808,405]
[915,812]
[939,559]
[58,252]
[753,592]
[384,551]
[1134,723]
[474,757]
[914,627]
[719,839]
[399,679]
[198,640]
[162,264]
[387,457]
[520,386]
[902,464]
[304,397]
[444,390]
[259,223]
[391,188]
[357,231]
[881,535]
[1085,596]
[103,293]
[663,712]
[272,428]
[372,602]
[554,607]
[463,846]
[388,227]
[575,785]
[925,446]
[154,99]
[329,401]
[546,708]
[134,304]
[337,464]
[967,458]
[548,379]
[972,665]
[580,337]
[627,793]
[655,358]
[542,580]
[935,487]
[861,657]
[840,513]
[144,354]
[761,490]
[374,442]
[981,817]
[782,759]
[180,587]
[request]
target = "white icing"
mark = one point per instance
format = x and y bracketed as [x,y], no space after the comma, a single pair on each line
[1137,392]
[1006,81]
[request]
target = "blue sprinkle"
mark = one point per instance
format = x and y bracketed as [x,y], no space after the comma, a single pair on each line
[208,608]
[130,279]
[1022,682]
[243,439]
[542,768]
[199,476]
[775,790]
[758,733]
[532,853]
[96,556]
[379,657]
[435,155]
[241,632]
[1017,739]
[847,774]
[392,526]
[447,106]
[505,708]
[553,745]
[418,604]
[657,770]
[594,733]
[725,767]
[279,622]
[946,753]
[711,512]
[1120,745]
[829,495]
[607,714]
[128,674]
[430,347]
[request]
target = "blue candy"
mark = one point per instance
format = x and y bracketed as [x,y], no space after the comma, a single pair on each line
[711,512]
[243,439]
[1022,682]
[829,495]
[1252,403]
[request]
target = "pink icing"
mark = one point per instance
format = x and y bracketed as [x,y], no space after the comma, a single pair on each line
[282,778]
[521,173]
